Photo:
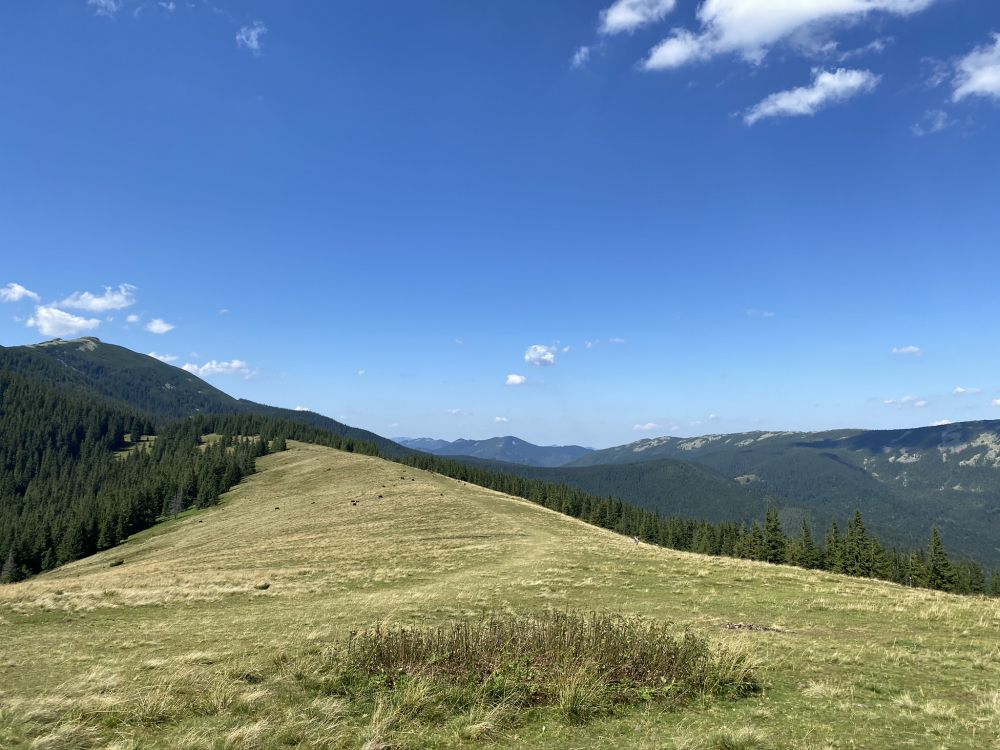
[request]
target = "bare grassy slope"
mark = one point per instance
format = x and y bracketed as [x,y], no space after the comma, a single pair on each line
[182,646]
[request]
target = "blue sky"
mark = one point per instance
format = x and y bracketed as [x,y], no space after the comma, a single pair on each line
[757,218]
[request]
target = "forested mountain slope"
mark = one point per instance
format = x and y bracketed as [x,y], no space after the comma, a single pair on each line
[93,368]
[902,480]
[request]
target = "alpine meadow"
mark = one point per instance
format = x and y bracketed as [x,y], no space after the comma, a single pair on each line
[567,375]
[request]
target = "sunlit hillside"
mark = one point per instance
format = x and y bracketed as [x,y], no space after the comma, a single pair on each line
[213,630]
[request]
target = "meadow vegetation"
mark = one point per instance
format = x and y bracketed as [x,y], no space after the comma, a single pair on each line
[337,600]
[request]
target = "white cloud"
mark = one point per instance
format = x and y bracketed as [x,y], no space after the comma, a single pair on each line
[877,46]
[515,379]
[112,299]
[500,420]
[362,373]
[215,367]
[828,87]
[914,401]
[978,73]
[159,326]
[105,7]
[960,391]
[911,350]
[629,15]
[540,355]
[51,321]
[306,408]
[566,349]
[646,427]
[580,57]
[751,27]
[163,357]
[251,37]
[14,292]
[941,423]
[170,6]
[995,402]
[933,121]
[453,411]
[133,318]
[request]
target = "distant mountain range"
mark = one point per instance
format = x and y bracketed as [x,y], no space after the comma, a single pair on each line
[903,481]
[508,449]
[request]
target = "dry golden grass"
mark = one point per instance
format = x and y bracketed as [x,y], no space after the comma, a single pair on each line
[182,646]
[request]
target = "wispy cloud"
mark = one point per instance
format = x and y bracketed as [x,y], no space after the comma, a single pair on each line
[159,326]
[914,401]
[14,292]
[580,57]
[251,37]
[515,379]
[978,73]
[540,355]
[828,87]
[645,427]
[629,15]
[106,8]
[362,373]
[908,351]
[932,121]
[750,28]
[960,391]
[132,318]
[616,340]
[501,420]
[51,321]
[163,357]
[215,367]
[756,313]
[111,299]
[995,402]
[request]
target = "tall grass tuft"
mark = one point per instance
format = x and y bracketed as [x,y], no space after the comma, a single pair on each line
[581,664]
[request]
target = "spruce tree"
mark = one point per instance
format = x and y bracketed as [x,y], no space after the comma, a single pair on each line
[774,538]
[808,554]
[939,570]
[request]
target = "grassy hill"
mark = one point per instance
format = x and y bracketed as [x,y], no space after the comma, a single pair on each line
[215,630]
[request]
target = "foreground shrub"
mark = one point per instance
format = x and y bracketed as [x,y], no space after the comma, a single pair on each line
[581,665]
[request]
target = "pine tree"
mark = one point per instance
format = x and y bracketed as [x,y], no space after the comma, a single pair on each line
[758,545]
[940,574]
[808,554]
[833,551]
[774,538]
